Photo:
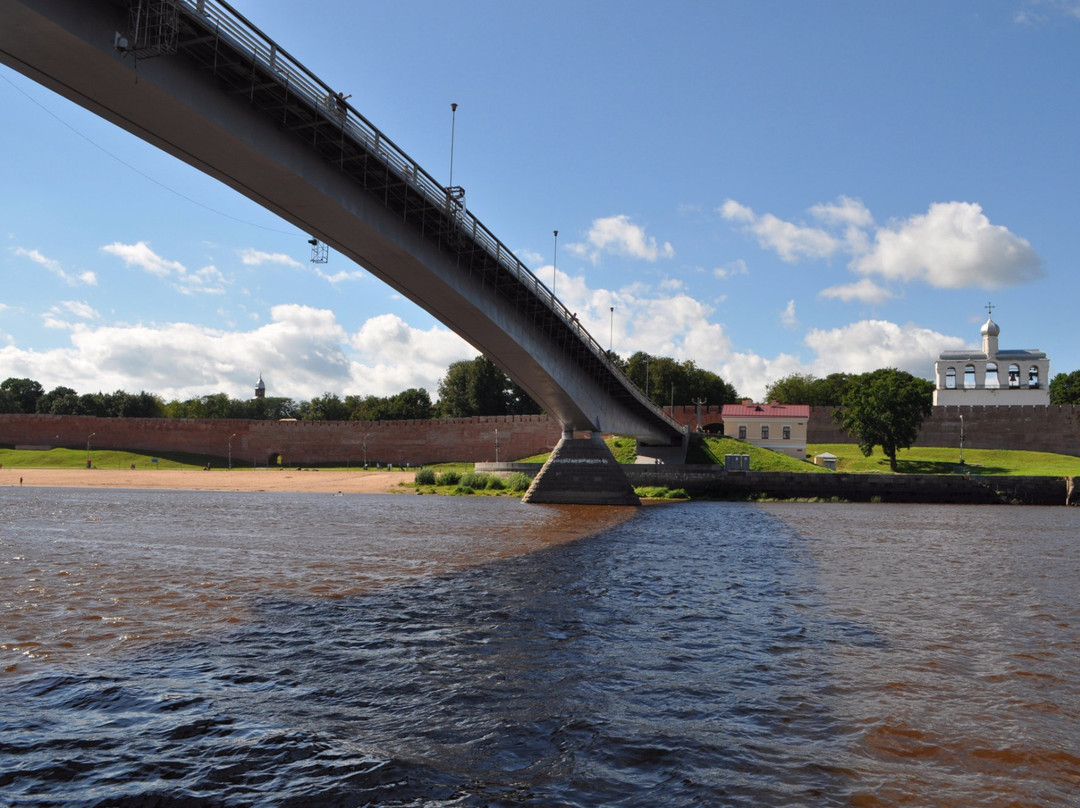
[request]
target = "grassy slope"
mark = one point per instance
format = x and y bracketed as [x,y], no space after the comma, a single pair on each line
[945,460]
[920,460]
[104,458]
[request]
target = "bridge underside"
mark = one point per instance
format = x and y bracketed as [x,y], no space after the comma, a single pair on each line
[211,104]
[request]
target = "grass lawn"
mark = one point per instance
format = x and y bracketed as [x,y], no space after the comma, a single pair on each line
[103,459]
[946,460]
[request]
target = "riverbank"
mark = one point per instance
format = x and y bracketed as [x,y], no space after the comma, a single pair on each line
[349,482]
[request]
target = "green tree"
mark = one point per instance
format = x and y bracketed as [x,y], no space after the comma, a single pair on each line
[327,407]
[479,387]
[665,380]
[885,408]
[22,394]
[1065,388]
[805,388]
[59,401]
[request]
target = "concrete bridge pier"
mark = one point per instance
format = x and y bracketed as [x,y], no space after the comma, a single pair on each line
[581,471]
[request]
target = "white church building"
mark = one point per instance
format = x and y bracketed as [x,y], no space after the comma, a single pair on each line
[992,376]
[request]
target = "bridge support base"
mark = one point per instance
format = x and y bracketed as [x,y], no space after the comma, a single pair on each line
[581,471]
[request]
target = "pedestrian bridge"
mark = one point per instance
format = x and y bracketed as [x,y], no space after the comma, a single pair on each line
[201,82]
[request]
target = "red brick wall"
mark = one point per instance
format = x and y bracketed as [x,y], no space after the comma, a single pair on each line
[295,442]
[1036,428]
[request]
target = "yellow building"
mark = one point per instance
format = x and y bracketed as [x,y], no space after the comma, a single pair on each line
[780,427]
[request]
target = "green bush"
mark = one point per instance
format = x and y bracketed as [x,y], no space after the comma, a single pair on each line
[448,478]
[496,483]
[518,481]
[475,479]
[425,477]
[463,489]
[678,493]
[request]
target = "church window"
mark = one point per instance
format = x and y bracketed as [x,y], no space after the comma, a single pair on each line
[950,379]
[969,377]
[992,381]
[1033,376]
[1014,376]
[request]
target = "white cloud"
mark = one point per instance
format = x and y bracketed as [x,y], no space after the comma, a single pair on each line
[790,241]
[788,319]
[140,255]
[730,269]
[56,316]
[302,352]
[207,280]
[871,344]
[254,258]
[86,278]
[864,291]
[616,235]
[952,246]
[844,211]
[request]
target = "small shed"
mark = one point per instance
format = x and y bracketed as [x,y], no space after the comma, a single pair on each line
[826,459]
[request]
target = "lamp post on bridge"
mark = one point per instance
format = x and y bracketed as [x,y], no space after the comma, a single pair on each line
[554,263]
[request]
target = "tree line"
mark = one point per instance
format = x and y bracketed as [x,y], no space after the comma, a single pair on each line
[469,388]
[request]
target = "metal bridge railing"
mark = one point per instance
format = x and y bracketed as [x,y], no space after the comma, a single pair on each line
[247,37]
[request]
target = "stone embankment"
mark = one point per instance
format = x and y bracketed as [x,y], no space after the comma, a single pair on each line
[713,482]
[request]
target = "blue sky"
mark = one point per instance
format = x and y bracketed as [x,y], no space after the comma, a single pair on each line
[764,188]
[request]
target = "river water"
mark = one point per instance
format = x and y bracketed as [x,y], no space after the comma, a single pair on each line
[203,649]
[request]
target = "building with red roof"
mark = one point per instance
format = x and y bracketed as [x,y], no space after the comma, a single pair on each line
[780,427]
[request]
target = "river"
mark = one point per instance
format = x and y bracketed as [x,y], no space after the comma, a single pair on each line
[267,649]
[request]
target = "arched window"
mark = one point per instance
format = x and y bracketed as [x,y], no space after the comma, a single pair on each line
[992,381]
[1014,377]
[1033,376]
[969,377]
[950,379]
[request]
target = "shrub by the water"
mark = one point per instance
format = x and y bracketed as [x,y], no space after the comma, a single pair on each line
[496,483]
[448,478]
[425,477]
[518,481]
[476,480]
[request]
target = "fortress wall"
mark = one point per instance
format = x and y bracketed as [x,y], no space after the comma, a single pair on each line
[1048,428]
[1034,428]
[293,442]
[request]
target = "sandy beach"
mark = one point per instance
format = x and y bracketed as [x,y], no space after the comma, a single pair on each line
[354,482]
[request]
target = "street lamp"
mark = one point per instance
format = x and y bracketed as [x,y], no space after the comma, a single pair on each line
[554,263]
[961,440]
[611,330]
[496,444]
[233,435]
[88,448]
[366,436]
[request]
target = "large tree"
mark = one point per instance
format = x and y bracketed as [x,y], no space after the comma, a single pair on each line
[805,388]
[668,381]
[478,387]
[21,395]
[885,408]
[1065,388]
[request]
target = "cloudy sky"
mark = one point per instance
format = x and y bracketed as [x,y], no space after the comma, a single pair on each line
[764,188]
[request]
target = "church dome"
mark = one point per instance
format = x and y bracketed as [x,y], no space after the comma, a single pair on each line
[990,328]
